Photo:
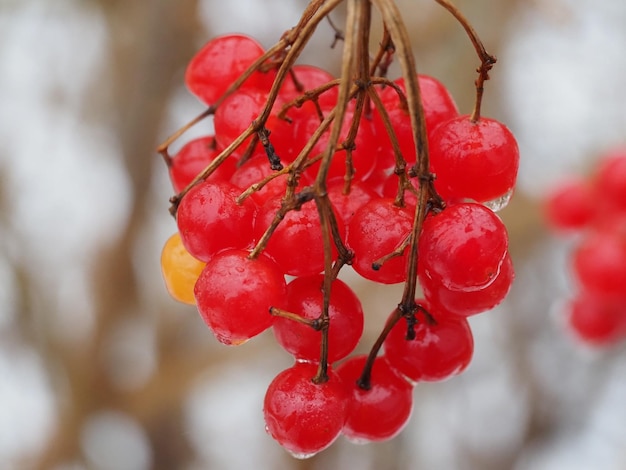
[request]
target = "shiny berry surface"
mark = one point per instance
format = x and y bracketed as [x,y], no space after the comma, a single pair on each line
[462,247]
[380,412]
[193,158]
[297,244]
[466,303]
[376,230]
[305,418]
[346,205]
[210,220]
[180,270]
[439,350]
[234,294]
[437,103]
[474,160]
[236,114]
[305,298]
[220,62]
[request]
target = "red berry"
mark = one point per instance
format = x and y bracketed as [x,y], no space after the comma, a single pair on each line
[597,320]
[439,350]
[346,205]
[600,263]
[234,294]
[610,182]
[210,220]
[194,157]
[462,247]
[253,172]
[305,298]
[308,77]
[220,62]
[376,230]
[282,133]
[380,412]
[475,160]
[236,114]
[383,170]
[390,189]
[304,417]
[466,303]
[438,106]
[437,102]
[570,205]
[365,145]
[297,244]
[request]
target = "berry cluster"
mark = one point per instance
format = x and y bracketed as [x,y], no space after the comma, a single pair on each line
[594,208]
[306,173]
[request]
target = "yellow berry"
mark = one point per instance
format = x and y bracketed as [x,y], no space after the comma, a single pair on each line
[180,270]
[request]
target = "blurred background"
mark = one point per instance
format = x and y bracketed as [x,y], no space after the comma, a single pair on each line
[100,369]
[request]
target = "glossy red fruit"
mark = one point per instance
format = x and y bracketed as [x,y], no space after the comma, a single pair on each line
[438,106]
[596,320]
[440,350]
[210,220]
[462,247]
[466,303]
[474,160]
[193,158]
[306,78]
[253,172]
[380,412]
[390,190]
[305,298]
[236,114]
[305,418]
[220,62]
[600,263]
[365,145]
[346,205]
[570,205]
[282,132]
[376,230]
[297,244]
[234,294]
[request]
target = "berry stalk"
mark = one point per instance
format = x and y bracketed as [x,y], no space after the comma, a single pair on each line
[487,60]
[399,35]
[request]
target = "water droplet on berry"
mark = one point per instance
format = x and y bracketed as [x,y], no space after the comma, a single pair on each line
[358,440]
[301,456]
[500,202]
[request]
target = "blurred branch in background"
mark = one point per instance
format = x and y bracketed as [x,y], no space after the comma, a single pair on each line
[149,44]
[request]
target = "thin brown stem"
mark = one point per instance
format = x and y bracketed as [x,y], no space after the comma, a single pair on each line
[487,60]
[339,36]
[314,323]
[395,145]
[364,381]
[255,187]
[384,56]
[295,39]
[289,203]
[309,95]
[399,35]
[354,12]
[163,149]
[376,265]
